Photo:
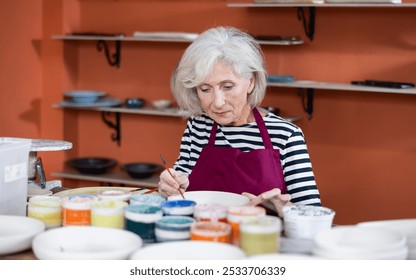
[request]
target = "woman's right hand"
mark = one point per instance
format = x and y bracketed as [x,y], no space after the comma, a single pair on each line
[169,185]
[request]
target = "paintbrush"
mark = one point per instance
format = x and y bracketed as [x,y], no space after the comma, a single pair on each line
[166,167]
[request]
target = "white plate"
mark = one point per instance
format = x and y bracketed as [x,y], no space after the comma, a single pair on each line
[95,191]
[189,250]
[404,226]
[85,243]
[17,233]
[214,197]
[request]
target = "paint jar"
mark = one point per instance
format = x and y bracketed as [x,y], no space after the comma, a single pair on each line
[76,209]
[120,195]
[173,228]
[108,213]
[210,212]
[179,207]
[46,208]
[211,231]
[260,236]
[239,214]
[141,219]
[151,199]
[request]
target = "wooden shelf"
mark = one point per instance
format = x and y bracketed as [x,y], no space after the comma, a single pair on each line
[324,5]
[152,39]
[341,87]
[111,177]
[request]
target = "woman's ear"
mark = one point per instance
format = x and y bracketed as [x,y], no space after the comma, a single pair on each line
[251,85]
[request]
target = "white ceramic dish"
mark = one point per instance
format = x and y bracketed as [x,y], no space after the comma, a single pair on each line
[404,226]
[84,96]
[278,256]
[352,242]
[96,191]
[161,104]
[189,250]
[85,243]
[214,197]
[17,233]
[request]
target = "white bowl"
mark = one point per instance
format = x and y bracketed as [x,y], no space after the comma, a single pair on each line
[352,242]
[85,243]
[214,197]
[17,233]
[84,96]
[404,226]
[189,250]
[161,104]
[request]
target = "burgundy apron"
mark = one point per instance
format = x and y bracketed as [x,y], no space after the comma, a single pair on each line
[232,170]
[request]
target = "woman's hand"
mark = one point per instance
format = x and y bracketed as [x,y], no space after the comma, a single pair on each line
[273,200]
[169,185]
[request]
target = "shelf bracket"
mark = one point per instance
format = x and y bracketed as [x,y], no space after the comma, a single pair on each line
[307,100]
[113,59]
[116,136]
[308,26]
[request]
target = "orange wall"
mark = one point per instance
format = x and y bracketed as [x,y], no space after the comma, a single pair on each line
[362,145]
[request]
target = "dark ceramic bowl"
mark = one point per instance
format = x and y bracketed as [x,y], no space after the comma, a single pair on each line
[134,102]
[92,165]
[141,170]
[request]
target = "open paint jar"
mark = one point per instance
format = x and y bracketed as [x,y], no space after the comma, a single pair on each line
[211,231]
[179,207]
[239,214]
[141,219]
[210,212]
[120,195]
[260,236]
[76,210]
[108,213]
[173,228]
[46,208]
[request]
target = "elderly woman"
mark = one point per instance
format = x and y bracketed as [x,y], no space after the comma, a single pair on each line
[229,144]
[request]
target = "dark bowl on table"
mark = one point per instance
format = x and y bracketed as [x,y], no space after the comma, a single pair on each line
[92,165]
[141,170]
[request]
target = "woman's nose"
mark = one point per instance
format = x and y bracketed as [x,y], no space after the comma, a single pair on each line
[219,99]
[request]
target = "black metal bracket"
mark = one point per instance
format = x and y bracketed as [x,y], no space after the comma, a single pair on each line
[307,100]
[116,136]
[309,27]
[113,59]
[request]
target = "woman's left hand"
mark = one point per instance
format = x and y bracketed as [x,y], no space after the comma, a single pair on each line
[273,200]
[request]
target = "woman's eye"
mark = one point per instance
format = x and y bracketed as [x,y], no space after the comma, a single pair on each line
[204,90]
[228,87]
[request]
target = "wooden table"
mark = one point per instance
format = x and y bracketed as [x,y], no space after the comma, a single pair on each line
[24,255]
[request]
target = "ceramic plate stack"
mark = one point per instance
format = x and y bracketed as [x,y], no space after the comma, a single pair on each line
[406,227]
[360,243]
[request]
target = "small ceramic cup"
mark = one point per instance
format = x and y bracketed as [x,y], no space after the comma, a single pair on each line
[108,213]
[173,228]
[48,209]
[179,207]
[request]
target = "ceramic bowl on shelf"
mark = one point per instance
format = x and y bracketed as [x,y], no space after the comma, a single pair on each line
[141,170]
[84,96]
[161,104]
[134,102]
[92,165]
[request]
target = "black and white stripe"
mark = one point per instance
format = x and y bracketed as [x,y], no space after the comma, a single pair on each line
[285,136]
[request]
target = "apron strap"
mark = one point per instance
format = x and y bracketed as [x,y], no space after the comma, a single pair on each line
[261,125]
[263,130]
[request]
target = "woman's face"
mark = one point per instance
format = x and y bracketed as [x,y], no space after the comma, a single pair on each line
[223,96]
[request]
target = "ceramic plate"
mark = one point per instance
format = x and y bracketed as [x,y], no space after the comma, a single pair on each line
[17,233]
[214,197]
[105,102]
[96,190]
[85,243]
[189,250]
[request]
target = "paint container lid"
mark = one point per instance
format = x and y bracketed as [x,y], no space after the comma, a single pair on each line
[237,214]
[178,207]
[108,207]
[152,199]
[114,195]
[210,211]
[79,201]
[143,213]
[172,222]
[45,201]
[211,229]
[266,224]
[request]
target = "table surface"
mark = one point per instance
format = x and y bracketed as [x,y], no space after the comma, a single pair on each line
[24,255]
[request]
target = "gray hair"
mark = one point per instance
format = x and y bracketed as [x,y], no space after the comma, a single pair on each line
[227,45]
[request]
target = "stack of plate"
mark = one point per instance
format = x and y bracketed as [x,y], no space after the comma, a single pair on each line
[360,243]
[407,227]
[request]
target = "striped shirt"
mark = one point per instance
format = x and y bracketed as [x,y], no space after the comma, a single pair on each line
[285,136]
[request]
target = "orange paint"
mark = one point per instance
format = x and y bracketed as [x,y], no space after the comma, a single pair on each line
[211,231]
